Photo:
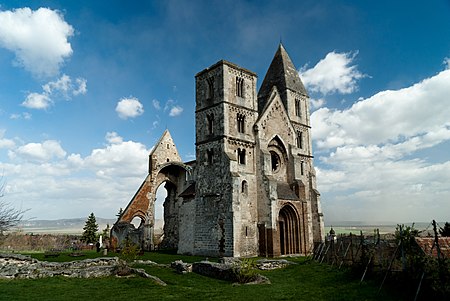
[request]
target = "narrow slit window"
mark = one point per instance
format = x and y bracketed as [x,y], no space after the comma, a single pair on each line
[210,91]
[210,120]
[239,86]
[300,139]
[240,123]
[210,156]
[302,168]
[298,111]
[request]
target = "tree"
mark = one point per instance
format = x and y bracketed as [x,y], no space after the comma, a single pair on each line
[90,230]
[9,216]
[446,230]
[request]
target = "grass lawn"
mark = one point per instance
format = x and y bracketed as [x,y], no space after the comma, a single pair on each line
[305,281]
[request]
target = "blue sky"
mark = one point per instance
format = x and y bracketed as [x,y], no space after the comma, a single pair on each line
[87,88]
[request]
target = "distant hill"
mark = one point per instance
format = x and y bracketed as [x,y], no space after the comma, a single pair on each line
[68,226]
[63,226]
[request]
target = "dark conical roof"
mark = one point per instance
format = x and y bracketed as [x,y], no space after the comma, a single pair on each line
[283,74]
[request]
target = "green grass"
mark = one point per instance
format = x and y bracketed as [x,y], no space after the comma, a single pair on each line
[305,281]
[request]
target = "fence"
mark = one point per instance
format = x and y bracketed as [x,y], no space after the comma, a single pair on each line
[389,255]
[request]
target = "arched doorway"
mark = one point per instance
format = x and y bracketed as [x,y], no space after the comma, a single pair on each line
[289,229]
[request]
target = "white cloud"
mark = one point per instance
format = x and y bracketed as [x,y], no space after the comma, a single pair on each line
[39,39]
[24,115]
[391,116]
[37,101]
[169,104]
[118,159]
[63,87]
[333,74]
[66,87]
[317,103]
[113,138]
[82,87]
[447,63]
[369,168]
[129,108]
[39,152]
[4,142]
[175,111]
[156,104]
[41,176]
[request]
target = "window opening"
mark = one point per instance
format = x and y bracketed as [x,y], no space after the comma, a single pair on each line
[244,187]
[210,118]
[300,139]
[298,111]
[302,168]
[241,156]
[240,123]
[210,92]
[239,86]
[276,162]
[210,155]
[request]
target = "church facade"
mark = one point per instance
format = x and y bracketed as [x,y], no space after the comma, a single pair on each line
[252,189]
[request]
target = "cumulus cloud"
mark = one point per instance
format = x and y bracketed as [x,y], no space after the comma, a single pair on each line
[317,103]
[129,108]
[37,101]
[39,39]
[63,87]
[42,174]
[389,116]
[333,74]
[175,111]
[113,138]
[4,142]
[368,162]
[39,152]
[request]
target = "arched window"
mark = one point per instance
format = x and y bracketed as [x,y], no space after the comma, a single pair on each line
[240,119]
[241,156]
[298,111]
[244,187]
[299,139]
[239,86]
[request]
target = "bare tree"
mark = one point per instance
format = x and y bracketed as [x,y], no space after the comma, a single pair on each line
[9,216]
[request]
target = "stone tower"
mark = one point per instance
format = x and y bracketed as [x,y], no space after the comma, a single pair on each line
[225,147]
[287,174]
[251,190]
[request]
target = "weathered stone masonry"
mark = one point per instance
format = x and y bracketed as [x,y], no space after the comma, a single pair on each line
[252,188]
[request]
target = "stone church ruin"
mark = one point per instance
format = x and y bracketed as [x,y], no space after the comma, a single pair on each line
[252,189]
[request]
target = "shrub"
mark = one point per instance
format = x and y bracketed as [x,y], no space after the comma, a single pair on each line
[245,271]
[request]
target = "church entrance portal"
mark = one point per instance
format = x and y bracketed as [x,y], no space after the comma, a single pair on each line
[289,229]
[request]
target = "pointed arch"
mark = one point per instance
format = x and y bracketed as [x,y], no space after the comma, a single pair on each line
[277,142]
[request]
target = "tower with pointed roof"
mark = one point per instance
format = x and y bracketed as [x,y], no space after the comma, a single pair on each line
[252,188]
